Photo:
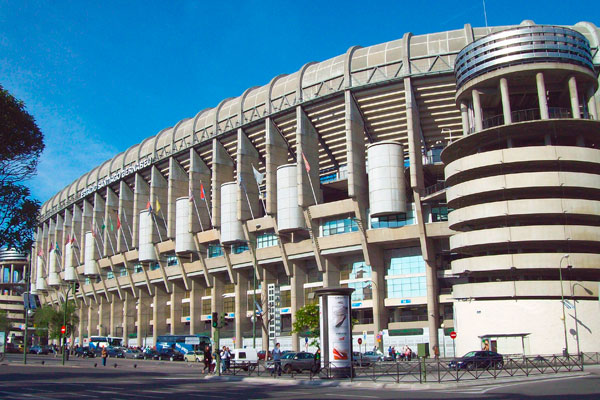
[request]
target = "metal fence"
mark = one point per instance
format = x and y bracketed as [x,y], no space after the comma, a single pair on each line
[430,370]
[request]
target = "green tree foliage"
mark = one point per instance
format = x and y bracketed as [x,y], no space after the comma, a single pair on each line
[22,144]
[48,320]
[307,322]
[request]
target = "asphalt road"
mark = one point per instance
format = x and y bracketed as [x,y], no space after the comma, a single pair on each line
[159,380]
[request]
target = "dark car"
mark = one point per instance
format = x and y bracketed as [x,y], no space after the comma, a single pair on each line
[113,352]
[150,354]
[301,361]
[38,350]
[169,354]
[84,352]
[134,354]
[481,359]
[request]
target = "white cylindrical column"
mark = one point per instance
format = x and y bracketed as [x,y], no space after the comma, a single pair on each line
[289,213]
[90,267]
[53,277]
[387,188]
[70,272]
[231,227]
[464,115]
[184,239]
[477,111]
[541,91]
[40,282]
[146,250]
[505,101]
[574,98]
[593,110]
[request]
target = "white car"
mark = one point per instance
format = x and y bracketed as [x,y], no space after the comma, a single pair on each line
[194,356]
[247,358]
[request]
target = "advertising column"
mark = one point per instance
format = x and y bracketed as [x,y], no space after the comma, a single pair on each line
[336,330]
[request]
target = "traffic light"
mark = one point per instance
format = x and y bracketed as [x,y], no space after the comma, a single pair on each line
[215,320]
[223,323]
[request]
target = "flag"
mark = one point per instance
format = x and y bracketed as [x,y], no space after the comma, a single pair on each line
[40,253]
[258,176]
[110,224]
[68,240]
[118,223]
[57,249]
[149,206]
[102,227]
[157,206]
[306,164]
[201,191]
[73,240]
[51,247]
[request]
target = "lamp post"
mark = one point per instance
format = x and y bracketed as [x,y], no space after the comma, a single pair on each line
[27,291]
[575,309]
[64,336]
[380,346]
[562,301]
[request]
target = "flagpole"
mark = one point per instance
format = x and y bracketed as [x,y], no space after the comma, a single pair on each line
[257,174]
[101,239]
[164,221]
[197,213]
[247,198]
[312,187]
[156,224]
[206,202]
[124,237]
[110,240]
[128,228]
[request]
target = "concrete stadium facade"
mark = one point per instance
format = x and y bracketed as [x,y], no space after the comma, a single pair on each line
[452,179]
[13,267]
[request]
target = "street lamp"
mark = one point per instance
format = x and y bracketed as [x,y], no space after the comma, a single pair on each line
[588,291]
[64,335]
[562,300]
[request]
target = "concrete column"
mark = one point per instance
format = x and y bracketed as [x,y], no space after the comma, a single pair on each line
[103,317]
[331,275]
[196,307]
[574,98]
[177,294]
[432,302]
[217,295]
[276,155]
[592,108]
[464,115]
[116,314]
[160,312]
[268,277]
[97,222]
[222,171]
[246,158]
[159,200]
[92,319]
[141,196]
[128,320]
[307,142]
[241,299]
[504,93]
[355,149]
[199,178]
[110,220]
[380,318]
[298,280]
[125,213]
[80,325]
[541,91]
[143,316]
[177,187]
[477,110]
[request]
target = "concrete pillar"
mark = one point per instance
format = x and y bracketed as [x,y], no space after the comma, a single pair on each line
[380,318]
[222,171]
[241,299]
[464,116]
[103,317]
[177,294]
[307,142]
[268,277]
[592,107]
[143,316]
[92,319]
[247,197]
[298,279]
[331,275]
[574,98]
[196,323]
[141,196]
[125,213]
[160,312]
[199,179]
[159,201]
[276,154]
[110,218]
[432,302]
[217,295]
[80,325]
[355,150]
[129,315]
[477,110]
[178,186]
[97,222]
[116,315]
[541,92]
[504,93]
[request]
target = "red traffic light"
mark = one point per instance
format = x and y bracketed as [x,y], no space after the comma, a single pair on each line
[63,329]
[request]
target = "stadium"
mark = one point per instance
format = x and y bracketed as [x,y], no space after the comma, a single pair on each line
[451,179]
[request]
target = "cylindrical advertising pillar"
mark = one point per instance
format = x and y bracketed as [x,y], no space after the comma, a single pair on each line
[336,331]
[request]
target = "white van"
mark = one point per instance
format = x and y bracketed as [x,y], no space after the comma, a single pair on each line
[247,358]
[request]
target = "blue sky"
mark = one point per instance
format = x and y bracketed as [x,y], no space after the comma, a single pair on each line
[100,76]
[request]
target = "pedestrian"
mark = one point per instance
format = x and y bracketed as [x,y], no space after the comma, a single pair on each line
[277,360]
[207,360]
[393,353]
[317,362]
[224,359]
[408,353]
[104,356]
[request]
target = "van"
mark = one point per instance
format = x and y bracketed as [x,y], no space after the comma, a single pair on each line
[246,359]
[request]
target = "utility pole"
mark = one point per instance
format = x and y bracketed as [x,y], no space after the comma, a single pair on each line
[27,305]
[64,335]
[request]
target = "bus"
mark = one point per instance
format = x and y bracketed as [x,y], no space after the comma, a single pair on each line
[182,343]
[99,342]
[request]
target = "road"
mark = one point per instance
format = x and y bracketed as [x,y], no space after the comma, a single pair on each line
[158,380]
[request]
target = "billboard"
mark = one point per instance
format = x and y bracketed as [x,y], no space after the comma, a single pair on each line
[339,331]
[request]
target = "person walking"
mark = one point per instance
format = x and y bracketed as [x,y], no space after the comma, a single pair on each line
[277,360]
[207,360]
[104,356]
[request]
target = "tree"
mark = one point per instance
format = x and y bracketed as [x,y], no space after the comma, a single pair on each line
[22,144]
[307,322]
[48,320]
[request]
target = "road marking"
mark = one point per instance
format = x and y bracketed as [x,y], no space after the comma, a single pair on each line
[485,390]
[351,395]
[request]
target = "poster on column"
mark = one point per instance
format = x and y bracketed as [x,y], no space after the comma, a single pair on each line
[338,322]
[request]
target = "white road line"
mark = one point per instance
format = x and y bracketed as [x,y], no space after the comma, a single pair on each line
[351,396]
[557,378]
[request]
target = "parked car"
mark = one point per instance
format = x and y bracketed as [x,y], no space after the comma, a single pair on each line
[373,356]
[301,361]
[38,350]
[194,356]
[12,348]
[113,352]
[481,359]
[262,355]
[150,354]
[247,358]
[359,361]
[134,354]
[84,352]
[169,354]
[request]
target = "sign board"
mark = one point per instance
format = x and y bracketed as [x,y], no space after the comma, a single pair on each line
[340,334]
[192,340]
[453,335]
[63,329]
[359,341]
[274,303]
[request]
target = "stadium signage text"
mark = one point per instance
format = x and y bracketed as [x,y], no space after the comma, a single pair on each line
[115,176]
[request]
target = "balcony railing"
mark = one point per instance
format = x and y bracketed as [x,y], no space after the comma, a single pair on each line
[530,114]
